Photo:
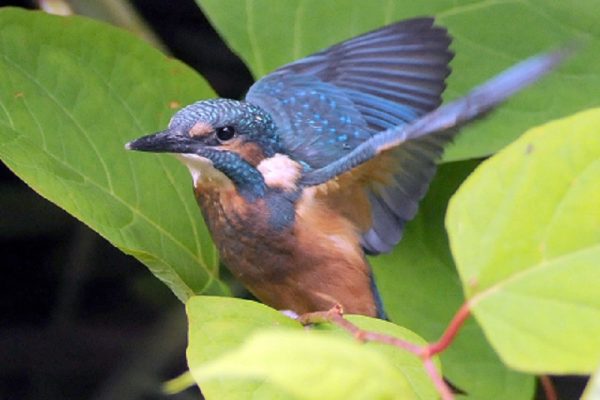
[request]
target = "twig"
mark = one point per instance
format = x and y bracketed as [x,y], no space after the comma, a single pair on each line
[548,386]
[439,383]
[56,7]
[336,316]
[450,333]
[119,13]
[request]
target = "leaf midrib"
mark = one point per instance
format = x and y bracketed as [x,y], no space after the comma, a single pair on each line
[523,274]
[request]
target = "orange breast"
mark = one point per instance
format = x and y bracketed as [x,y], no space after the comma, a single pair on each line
[313,264]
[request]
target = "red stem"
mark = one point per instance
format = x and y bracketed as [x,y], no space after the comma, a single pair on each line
[548,386]
[441,386]
[457,322]
[336,316]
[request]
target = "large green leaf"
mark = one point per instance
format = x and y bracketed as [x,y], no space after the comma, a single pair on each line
[421,290]
[408,363]
[488,36]
[229,364]
[311,366]
[525,233]
[72,93]
[218,325]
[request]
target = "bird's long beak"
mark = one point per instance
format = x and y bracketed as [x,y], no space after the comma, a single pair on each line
[164,142]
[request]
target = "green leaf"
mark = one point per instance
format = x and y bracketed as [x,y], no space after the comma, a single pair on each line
[421,290]
[72,93]
[525,233]
[309,365]
[489,36]
[219,326]
[408,363]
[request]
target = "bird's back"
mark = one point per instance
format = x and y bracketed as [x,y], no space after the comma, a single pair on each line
[327,104]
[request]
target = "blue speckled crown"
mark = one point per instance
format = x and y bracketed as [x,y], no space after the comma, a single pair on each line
[246,118]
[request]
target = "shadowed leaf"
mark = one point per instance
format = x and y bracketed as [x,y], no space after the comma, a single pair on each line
[489,36]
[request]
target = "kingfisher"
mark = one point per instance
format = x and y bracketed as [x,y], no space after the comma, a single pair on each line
[326,160]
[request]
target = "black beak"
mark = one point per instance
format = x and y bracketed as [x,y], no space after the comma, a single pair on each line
[164,142]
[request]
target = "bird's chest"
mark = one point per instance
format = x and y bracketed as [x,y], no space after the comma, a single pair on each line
[297,256]
[255,239]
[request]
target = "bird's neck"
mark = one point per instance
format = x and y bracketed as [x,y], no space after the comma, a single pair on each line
[233,219]
[234,189]
[248,181]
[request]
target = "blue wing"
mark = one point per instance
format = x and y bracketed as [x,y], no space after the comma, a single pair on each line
[329,103]
[431,131]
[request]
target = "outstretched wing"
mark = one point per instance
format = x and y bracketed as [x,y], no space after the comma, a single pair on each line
[329,103]
[436,127]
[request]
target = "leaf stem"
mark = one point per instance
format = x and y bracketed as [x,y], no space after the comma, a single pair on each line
[451,331]
[548,387]
[441,386]
[56,7]
[336,316]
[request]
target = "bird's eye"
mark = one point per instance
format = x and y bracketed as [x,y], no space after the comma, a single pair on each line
[225,133]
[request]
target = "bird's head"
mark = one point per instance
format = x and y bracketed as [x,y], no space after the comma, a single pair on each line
[222,141]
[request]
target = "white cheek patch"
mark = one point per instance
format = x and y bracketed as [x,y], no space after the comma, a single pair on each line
[203,172]
[280,172]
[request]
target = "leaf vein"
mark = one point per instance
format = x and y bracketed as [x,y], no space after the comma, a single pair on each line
[68,114]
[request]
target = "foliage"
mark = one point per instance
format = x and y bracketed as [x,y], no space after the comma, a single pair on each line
[68,109]
[524,228]
[421,290]
[267,34]
[261,366]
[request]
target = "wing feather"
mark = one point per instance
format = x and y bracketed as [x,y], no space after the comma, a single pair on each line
[327,104]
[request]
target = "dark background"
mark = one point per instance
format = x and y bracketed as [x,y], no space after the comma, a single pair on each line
[79,319]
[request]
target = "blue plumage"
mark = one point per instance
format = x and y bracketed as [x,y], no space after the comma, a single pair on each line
[362,121]
[327,104]
[257,125]
[316,122]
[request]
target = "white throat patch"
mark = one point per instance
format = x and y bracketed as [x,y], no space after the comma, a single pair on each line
[203,172]
[280,172]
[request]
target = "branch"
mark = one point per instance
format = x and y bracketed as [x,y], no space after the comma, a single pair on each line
[548,387]
[450,333]
[336,316]
[56,7]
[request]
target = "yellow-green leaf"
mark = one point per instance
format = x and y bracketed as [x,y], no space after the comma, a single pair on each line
[525,233]
[421,290]
[592,390]
[229,364]
[310,365]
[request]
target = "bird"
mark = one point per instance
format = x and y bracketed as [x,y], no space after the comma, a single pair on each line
[325,160]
